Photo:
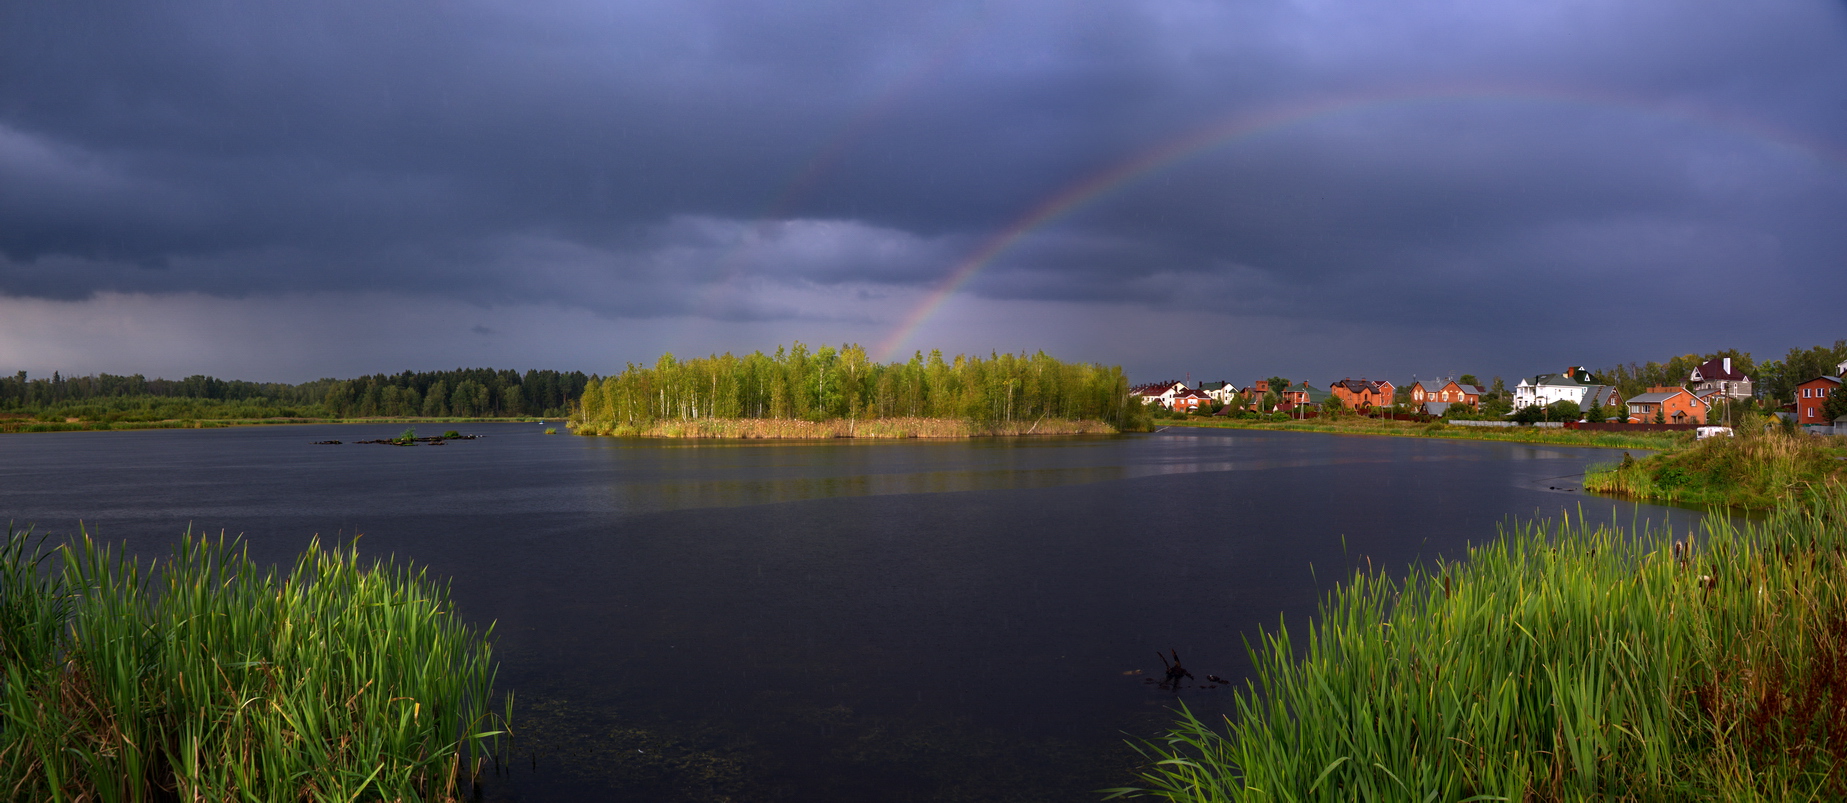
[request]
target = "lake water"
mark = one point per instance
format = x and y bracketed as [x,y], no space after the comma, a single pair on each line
[842,621]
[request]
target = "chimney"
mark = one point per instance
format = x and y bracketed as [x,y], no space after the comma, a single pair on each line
[1728,366]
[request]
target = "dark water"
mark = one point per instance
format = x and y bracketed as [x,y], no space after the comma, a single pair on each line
[849,621]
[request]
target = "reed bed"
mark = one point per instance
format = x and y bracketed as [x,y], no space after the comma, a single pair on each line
[847,428]
[1755,471]
[208,679]
[1559,662]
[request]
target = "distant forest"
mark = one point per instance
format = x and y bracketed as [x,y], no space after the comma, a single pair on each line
[461,393]
[830,383]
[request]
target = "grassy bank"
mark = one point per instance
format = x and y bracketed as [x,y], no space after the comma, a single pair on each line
[1559,662]
[209,679]
[1411,429]
[1756,471]
[846,428]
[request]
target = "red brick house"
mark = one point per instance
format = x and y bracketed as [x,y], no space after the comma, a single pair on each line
[1446,391]
[1810,396]
[1360,394]
[1676,405]
[1189,400]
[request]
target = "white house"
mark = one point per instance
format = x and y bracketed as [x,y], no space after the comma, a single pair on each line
[1573,385]
[1221,392]
[1161,393]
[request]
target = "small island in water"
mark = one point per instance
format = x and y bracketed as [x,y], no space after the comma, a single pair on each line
[841,393]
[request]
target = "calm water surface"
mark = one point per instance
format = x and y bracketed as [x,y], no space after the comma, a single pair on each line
[843,621]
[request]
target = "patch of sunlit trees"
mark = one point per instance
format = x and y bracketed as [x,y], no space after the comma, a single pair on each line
[830,383]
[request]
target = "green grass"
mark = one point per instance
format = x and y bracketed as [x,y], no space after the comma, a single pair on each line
[1558,662]
[1755,471]
[1410,429]
[207,678]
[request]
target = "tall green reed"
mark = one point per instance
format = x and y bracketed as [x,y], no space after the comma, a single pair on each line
[209,678]
[1560,662]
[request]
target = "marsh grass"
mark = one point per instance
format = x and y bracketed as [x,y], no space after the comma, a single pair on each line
[846,428]
[1754,471]
[208,679]
[1559,662]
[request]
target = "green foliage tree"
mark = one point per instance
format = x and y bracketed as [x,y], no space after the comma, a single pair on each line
[1563,410]
[1469,379]
[829,383]
[1332,406]
[1835,405]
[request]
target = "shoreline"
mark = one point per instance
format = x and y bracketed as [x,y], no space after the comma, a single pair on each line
[28,426]
[1408,429]
[841,428]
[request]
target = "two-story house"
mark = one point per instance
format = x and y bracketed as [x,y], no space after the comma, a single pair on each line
[1221,392]
[1717,376]
[1812,395]
[1361,394]
[1161,393]
[1300,394]
[1667,405]
[1574,385]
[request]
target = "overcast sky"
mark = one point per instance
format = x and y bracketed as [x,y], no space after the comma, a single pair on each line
[283,191]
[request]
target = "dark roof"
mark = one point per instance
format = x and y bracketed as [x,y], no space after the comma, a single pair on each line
[1713,370]
[1360,385]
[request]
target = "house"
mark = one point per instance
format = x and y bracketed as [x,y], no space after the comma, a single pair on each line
[1221,392]
[1360,394]
[1261,387]
[1445,391]
[1301,395]
[1161,393]
[1574,385]
[1188,400]
[1671,405]
[1716,376]
[1812,395]
[1545,389]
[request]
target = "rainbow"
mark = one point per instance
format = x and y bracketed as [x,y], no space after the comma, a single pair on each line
[1248,125]
[731,264]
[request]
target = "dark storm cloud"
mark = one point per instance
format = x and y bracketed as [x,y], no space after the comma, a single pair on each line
[643,159]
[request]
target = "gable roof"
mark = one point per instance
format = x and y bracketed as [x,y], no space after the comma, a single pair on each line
[1361,385]
[1659,396]
[1717,369]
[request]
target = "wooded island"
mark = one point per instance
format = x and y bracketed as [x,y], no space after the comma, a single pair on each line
[829,392]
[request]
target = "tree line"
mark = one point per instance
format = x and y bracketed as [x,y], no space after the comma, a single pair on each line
[842,383]
[1775,381]
[461,393]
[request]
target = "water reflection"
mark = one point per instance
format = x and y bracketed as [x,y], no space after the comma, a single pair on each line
[831,621]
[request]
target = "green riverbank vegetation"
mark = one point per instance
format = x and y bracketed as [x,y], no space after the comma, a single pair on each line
[1756,469]
[207,678]
[1359,425]
[107,401]
[841,393]
[1559,662]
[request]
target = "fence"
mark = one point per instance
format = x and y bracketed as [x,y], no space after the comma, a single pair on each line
[1616,427]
